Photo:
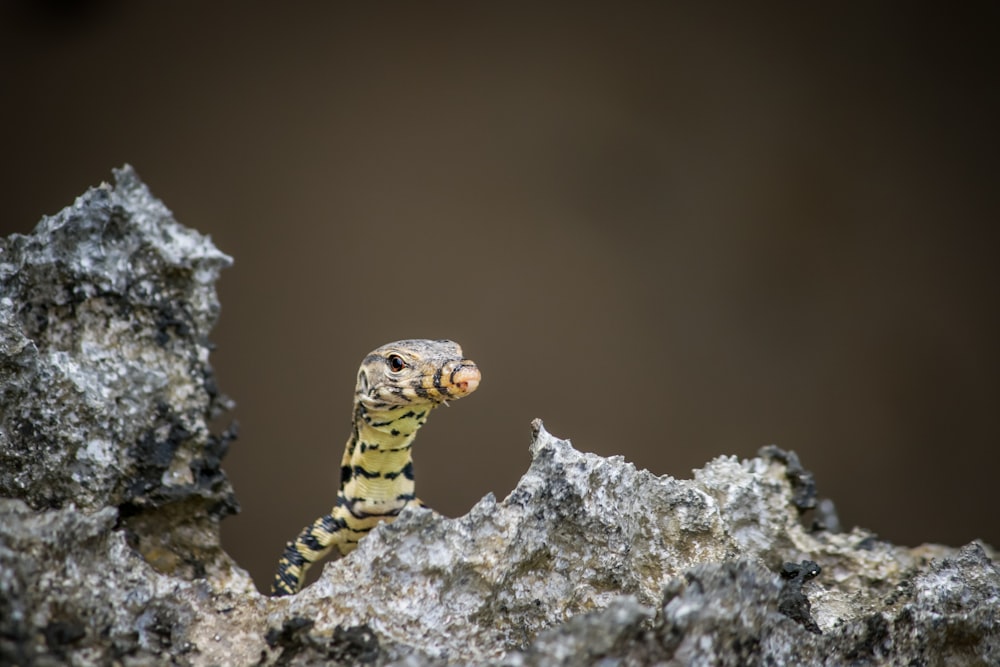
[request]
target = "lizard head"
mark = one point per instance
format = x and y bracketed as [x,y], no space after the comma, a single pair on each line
[415,372]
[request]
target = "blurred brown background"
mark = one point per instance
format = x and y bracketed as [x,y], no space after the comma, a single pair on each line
[671,232]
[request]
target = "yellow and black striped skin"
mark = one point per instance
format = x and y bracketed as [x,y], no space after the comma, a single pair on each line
[398,385]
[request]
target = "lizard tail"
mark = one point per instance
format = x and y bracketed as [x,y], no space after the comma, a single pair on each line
[314,542]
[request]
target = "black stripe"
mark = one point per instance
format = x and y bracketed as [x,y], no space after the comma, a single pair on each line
[331,524]
[293,556]
[311,541]
[345,475]
[362,472]
[406,471]
[366,515]
[437,379]
[406,497]
[418,388]
[349,506]
[361,530]
[285,583]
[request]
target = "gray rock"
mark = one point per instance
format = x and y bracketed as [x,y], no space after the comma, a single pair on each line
[105,451]
[109,541]
[105,310]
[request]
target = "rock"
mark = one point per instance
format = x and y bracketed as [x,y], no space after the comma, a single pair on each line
[113,492]
[111,478]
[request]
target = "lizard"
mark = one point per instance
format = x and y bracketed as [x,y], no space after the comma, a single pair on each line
[398,384]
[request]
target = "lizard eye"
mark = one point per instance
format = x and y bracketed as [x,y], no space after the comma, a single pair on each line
[396,363]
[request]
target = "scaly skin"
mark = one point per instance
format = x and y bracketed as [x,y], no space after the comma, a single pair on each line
[398,386]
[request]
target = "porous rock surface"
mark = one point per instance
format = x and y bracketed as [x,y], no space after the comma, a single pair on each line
[112,493]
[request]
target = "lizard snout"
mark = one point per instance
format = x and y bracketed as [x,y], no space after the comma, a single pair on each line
[464,380]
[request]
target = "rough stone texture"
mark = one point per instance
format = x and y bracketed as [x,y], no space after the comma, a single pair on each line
[109,543]
[105,452]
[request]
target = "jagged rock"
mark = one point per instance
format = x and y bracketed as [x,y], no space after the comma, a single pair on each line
[109,545]
[105,382]
[105,451]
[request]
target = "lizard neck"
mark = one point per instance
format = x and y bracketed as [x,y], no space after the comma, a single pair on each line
[377,468]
